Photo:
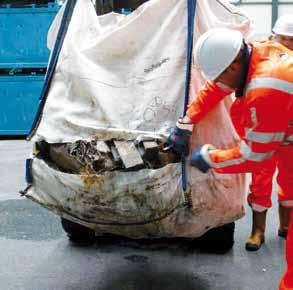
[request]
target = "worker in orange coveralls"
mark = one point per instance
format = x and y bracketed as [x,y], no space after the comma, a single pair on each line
[261,185]
[287,280]
[262,76]
[234,67]
[283,33]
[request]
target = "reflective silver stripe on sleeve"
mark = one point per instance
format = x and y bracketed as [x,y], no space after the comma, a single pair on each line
[227,163]
[271,83]
[261,137]
[248,155]
[253,156]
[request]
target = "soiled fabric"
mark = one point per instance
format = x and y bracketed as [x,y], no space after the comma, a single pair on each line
[122,77]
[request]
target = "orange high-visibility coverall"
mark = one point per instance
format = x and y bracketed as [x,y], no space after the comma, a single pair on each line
[262,119]
[287,280]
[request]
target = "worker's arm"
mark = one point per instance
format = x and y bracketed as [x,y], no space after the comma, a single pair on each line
[206,100]
[269,120]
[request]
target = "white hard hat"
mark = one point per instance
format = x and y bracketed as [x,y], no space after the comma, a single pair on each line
[216,49]
[284,25]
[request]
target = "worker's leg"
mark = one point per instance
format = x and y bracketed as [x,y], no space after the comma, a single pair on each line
[261,187]
[284,218]
[287,280]
[285,182]
[260,200]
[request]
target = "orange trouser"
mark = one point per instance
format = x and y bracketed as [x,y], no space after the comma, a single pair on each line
[287,280]
[261,184]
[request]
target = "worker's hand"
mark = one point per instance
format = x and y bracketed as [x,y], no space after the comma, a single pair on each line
[201,158]
[179,137]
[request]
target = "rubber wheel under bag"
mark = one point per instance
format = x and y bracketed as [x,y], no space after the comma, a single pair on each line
[77,233]
[217,240]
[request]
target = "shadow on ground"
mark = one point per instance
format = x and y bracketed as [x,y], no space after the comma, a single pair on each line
[144,278]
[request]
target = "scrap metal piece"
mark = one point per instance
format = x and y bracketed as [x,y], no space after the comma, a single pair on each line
[129,154]
[150,137]
[60,155]
[102,146]
[151,150]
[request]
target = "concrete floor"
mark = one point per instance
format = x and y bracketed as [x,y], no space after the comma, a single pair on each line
[35,253]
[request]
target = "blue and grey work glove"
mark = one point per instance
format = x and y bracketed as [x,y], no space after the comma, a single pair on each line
[201,158]
[179,137]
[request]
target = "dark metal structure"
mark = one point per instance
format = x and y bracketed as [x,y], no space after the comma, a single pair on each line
[105,6]
[275,6]
[24,3]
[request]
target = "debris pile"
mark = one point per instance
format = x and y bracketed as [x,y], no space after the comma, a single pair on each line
[96,157]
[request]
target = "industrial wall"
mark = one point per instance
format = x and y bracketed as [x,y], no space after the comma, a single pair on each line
[264,13]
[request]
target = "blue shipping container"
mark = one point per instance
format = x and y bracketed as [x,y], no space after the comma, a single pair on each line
[23,35]
[23,61]
[19,99]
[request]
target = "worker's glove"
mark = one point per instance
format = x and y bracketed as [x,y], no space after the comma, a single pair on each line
[201,158]
[179,137]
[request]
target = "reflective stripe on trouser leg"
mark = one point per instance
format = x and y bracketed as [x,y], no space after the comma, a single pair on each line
[258,208]
[286,203]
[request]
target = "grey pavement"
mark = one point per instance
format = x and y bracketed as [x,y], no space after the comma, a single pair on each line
[12,154]
[36,255]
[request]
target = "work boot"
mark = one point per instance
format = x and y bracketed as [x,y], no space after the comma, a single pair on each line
[257,236]
[284,217]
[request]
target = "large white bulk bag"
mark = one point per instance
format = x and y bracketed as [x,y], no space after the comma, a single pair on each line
[121,77]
